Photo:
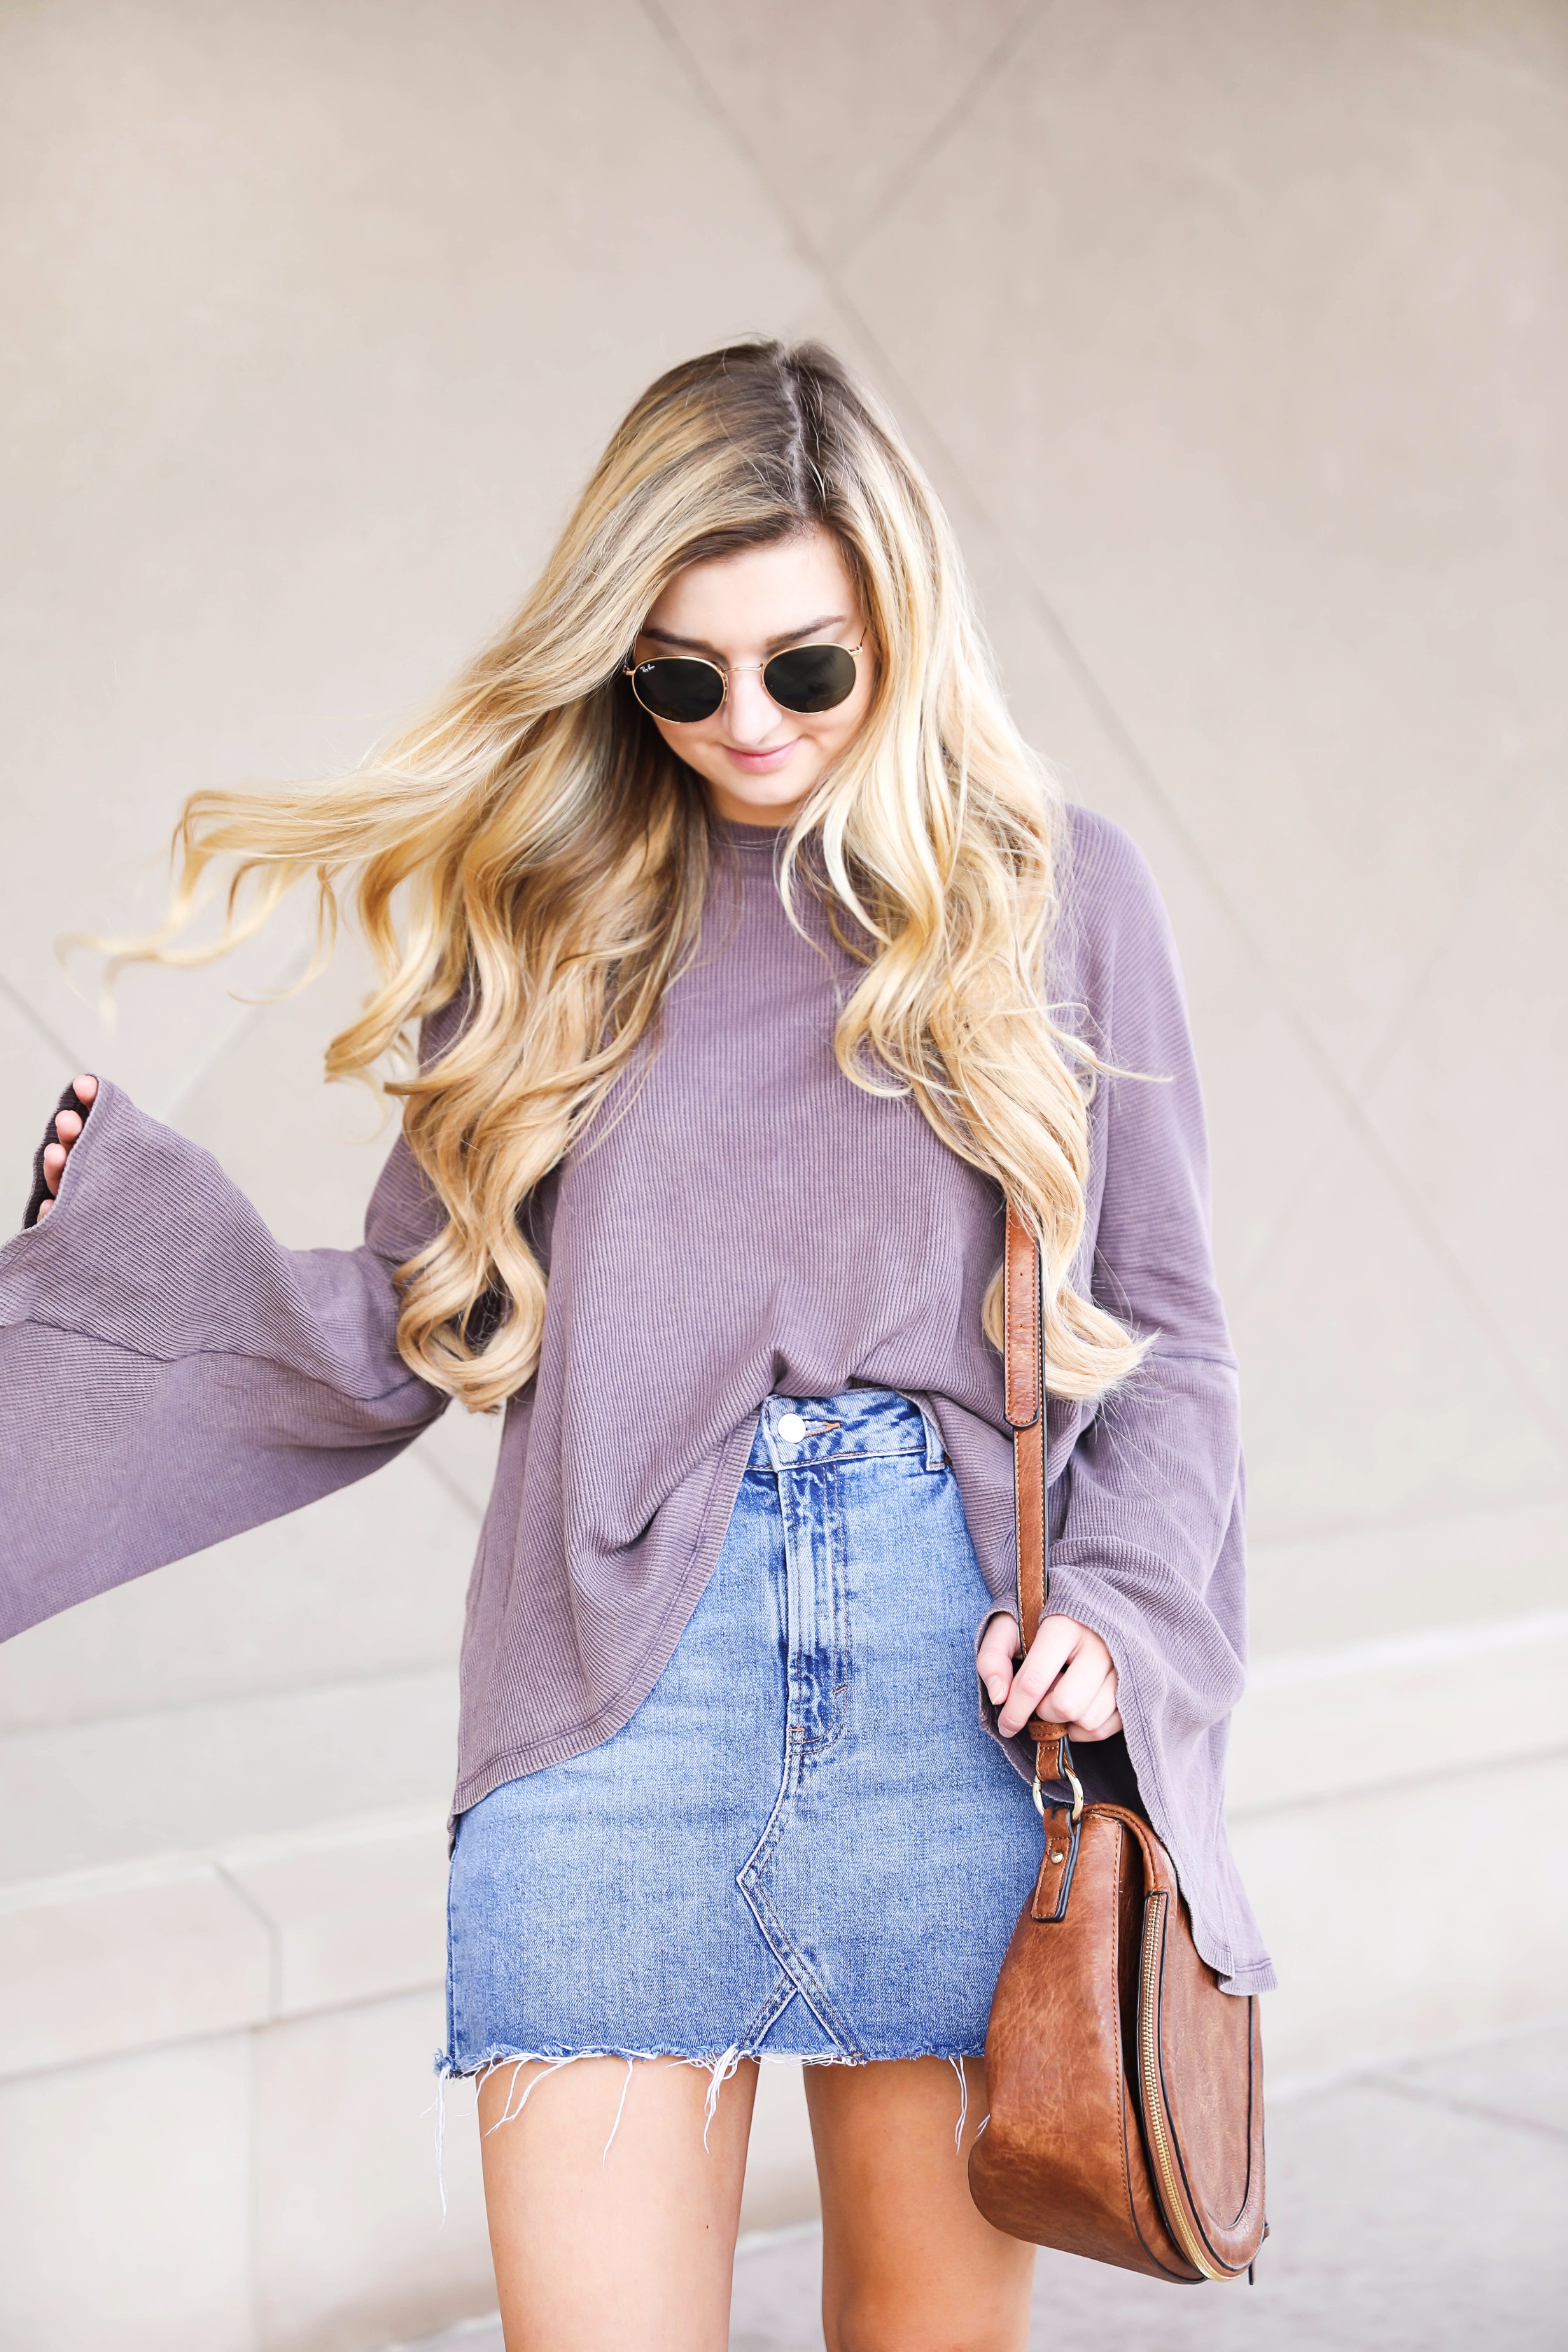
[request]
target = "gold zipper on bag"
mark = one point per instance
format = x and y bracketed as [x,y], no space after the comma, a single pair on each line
[1153,2111]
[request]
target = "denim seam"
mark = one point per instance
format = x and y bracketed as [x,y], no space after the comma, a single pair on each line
[799,1970]
[837,1581]
[773,1828]
[748,1880]
[452,2035]
[789,1524]
[765,2020]
[799,1568]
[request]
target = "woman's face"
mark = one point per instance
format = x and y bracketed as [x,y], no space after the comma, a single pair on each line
[760,763]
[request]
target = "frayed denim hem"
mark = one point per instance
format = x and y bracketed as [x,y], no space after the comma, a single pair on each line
[452,2069]
[719,2068]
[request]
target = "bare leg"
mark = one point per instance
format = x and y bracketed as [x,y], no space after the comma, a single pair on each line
[907,2263]
[622,2245]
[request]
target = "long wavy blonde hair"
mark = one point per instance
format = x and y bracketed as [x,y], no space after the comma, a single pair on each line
[532,850]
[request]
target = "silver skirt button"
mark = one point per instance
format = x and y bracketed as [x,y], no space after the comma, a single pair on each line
[792,1429]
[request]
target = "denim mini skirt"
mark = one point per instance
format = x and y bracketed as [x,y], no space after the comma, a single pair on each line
[804,1844]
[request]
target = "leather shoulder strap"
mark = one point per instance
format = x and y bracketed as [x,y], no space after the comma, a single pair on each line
[1024,1370]
[1023,1353]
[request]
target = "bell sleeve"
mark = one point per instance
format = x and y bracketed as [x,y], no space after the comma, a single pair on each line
[171,1375]
[1148,1506]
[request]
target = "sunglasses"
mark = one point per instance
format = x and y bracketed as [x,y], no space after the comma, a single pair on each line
[681,688]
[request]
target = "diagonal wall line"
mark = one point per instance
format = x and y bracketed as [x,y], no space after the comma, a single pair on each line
[232,1040]
[283,988]
[927,150]
[1381,1058]
[1096,695]
[1484,866]
[194,1078]
[39,1026]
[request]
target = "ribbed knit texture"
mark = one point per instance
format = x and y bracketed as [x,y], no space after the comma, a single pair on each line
[742,1222]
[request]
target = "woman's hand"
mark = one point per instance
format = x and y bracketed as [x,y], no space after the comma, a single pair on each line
[1067,1677]
[69,1124]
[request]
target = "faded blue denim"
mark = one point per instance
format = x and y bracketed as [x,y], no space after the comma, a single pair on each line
[803,1843]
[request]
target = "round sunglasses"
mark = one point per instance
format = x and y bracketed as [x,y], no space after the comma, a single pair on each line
[682,688]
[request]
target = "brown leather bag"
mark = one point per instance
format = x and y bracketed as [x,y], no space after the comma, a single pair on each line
[1126,2090]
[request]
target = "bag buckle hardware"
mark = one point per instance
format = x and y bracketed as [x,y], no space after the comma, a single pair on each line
[1074,1783]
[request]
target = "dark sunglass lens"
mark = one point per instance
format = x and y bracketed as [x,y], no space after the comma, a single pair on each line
[811,677]
[680,691]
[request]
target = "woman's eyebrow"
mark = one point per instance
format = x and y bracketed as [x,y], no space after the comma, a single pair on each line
[799,636]
[790,636]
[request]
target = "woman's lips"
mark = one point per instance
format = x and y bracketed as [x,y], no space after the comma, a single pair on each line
[759,763]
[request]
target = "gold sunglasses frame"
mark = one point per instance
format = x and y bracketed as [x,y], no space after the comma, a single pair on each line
[742,669]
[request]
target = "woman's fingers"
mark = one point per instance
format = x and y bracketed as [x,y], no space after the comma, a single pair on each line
[1098,1718]
[1072,1696]
[1085,1734]
[69,1124]
[44,1208]
[1101,1706]
[993,1658]
[1067,1677]
[1048,1654]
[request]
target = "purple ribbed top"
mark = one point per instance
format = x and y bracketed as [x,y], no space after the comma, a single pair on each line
[740,1221]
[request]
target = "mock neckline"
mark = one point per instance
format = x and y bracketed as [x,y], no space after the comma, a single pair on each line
[750,836]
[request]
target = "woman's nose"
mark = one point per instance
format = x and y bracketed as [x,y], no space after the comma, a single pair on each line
[750,711]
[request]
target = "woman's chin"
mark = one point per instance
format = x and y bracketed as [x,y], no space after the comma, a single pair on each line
[771,798]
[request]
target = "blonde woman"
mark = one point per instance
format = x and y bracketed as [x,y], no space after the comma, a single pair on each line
[753,961]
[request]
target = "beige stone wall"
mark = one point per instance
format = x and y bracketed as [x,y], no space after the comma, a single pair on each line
[1234,332]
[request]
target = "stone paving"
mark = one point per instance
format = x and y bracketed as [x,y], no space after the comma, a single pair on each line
[1420,2209]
